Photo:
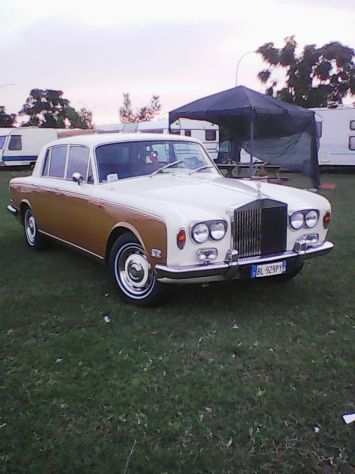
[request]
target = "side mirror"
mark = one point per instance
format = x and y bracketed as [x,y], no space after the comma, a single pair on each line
[77,178]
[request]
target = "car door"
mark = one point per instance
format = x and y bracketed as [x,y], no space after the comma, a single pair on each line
[74,197]
[47,199]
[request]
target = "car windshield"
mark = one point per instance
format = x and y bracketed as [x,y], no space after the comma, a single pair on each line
[129,159]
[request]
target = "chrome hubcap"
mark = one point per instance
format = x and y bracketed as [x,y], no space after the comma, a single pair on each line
[133,271]
[30,227]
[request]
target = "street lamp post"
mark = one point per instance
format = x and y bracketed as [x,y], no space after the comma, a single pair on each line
[238,64]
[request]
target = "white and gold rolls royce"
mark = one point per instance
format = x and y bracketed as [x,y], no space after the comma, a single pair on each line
[156,209]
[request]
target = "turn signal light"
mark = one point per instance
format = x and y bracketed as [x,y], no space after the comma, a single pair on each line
[181,239]
[326,219]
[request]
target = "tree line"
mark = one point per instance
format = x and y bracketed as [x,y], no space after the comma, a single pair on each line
[48,108]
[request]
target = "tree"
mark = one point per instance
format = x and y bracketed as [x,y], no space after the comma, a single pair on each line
[47,108]
[6,120]
[314,78]
[144,114]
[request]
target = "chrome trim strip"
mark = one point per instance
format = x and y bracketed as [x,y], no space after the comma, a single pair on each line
[230,269]
[70,244]
[12,210]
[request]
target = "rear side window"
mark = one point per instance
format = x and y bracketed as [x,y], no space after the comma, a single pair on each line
[78,161]
[46,163]
[210,135]
[2,141]
[15,143]
[57,162]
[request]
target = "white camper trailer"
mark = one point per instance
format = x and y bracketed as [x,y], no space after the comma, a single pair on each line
[20,146]
[337,136]
[207,132]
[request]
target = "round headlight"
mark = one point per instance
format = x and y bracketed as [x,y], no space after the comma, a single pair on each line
[311,218]
[217,230]
[200,233]
[297,220]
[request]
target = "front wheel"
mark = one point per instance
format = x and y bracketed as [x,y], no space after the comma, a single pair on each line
[33,237]
[132,272]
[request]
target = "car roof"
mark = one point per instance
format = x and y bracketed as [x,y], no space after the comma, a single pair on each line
[106,138]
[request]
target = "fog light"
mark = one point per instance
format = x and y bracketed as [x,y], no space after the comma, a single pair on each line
[207,255]
[305,242]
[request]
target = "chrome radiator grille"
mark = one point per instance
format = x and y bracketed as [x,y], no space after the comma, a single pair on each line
[248,232]
[260,228]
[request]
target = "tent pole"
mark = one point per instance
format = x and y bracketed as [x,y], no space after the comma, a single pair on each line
[251,146]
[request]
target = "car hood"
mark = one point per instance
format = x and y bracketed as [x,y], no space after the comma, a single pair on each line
[205,196]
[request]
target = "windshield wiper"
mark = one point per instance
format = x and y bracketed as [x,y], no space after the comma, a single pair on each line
[204,167]
[169,165]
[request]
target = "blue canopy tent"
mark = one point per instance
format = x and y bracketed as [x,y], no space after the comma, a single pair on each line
[268,129]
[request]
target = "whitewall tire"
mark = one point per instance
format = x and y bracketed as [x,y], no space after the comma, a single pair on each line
[33,237]
[132,272]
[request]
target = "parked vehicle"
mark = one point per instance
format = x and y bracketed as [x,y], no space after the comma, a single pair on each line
[157,210]
[337,136]
[206,132]
[21,146]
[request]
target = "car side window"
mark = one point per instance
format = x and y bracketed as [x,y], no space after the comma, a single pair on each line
[46,163]
[15,143]
[2,141]
[57,161]
[78,161]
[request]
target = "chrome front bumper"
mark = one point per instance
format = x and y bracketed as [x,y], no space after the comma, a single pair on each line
[230,270]
[12,210]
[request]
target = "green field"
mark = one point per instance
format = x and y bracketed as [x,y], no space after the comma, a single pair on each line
[230,378]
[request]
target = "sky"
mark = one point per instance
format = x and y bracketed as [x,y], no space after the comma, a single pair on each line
[181,51]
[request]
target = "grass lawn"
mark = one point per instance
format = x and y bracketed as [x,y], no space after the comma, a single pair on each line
[230,378]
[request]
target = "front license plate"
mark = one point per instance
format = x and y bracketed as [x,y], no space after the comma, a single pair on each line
[268,269]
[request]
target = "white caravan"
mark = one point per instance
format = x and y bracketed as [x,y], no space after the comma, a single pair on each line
[20,146]
[337,136]
[206,132]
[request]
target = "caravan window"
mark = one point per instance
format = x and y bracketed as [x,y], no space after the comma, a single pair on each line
[2,141]
[319,128]
[187,133]
[352,124]
[352,143]
[210,135]
[15,143]
[58,158]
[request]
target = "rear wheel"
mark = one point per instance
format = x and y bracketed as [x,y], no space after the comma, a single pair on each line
[33,237]
[132,272]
